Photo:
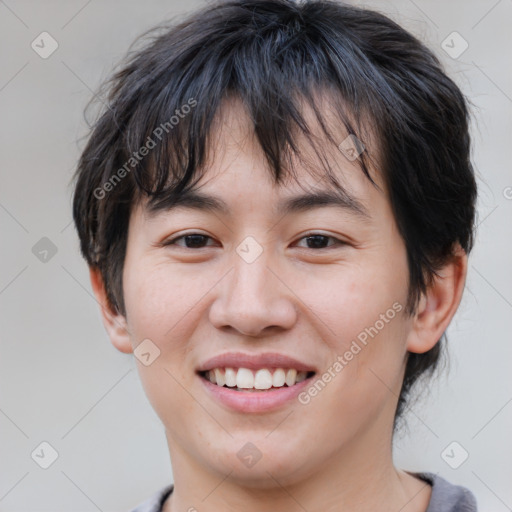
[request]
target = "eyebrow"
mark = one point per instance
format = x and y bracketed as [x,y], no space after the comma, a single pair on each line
[300,203]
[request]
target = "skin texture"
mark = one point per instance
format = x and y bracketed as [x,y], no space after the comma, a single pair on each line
[333,453]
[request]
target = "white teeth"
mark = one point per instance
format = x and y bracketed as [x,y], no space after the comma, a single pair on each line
[279,378]
[263,379]
[219,377]
[244,378]
[230,377]
[290,377]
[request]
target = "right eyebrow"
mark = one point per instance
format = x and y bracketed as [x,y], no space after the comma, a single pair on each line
[191,200]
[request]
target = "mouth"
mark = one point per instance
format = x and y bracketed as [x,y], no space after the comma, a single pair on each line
[254,383]
[261,380]
[243,396]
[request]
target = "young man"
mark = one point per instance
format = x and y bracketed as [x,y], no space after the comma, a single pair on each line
[277,207]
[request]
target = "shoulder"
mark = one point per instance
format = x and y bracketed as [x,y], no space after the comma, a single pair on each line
[447,497]
[154,503]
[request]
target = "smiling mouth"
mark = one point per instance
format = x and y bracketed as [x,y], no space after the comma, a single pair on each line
[250,381]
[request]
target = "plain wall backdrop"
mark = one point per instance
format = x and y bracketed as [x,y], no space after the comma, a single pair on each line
[63,383]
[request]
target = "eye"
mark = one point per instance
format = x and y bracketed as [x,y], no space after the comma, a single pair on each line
[318,241]
[191,241]
[198,241]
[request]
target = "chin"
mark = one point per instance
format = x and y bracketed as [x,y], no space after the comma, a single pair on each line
[265,468]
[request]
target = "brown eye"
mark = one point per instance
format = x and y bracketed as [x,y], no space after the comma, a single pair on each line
[318,241]
[191,241]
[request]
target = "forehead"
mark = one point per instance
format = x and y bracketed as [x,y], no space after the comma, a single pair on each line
[319,174]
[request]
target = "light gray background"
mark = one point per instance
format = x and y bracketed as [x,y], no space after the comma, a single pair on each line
[61,381]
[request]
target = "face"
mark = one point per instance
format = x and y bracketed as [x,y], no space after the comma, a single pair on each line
[318,289]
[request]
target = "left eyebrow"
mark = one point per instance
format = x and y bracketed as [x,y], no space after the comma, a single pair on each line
[194,200]
[322,198]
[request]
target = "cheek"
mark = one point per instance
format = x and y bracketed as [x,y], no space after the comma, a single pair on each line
[360,314]
[162,306]
[350,299]
[162,302]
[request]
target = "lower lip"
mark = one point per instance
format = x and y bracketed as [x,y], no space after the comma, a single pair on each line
[255,401]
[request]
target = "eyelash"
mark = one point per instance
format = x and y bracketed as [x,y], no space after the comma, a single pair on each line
[308,235]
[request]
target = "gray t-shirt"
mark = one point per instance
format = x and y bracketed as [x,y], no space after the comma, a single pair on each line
[445,497]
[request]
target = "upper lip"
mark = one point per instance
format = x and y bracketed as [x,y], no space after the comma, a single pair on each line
[254,362]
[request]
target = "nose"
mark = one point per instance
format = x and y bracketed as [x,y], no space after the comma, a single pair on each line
[253,300]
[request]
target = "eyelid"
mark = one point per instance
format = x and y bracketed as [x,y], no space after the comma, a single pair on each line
[338,241]
[172,241]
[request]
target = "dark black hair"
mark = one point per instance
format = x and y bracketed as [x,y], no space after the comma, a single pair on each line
[275,56]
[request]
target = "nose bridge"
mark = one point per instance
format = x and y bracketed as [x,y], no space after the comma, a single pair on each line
[253,298]
[250,277]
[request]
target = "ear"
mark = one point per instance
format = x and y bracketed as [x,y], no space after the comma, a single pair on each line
[115,323]
[438,306]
